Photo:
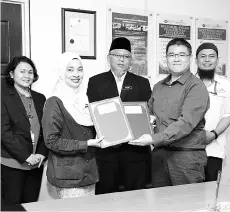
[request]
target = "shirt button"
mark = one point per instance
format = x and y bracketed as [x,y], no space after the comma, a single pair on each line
[85,133]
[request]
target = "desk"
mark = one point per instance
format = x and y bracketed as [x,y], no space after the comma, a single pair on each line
[166,199]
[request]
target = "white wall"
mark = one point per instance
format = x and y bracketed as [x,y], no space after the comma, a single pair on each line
[46,30]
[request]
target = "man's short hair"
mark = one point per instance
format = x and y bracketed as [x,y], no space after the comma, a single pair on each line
[179,42]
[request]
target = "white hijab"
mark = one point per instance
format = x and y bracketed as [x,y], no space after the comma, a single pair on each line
[75,100]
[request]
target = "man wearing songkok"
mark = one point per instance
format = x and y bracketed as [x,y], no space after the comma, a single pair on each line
[121,164]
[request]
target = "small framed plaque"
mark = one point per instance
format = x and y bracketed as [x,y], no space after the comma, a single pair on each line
[110,121]
[79,32]
[138,117]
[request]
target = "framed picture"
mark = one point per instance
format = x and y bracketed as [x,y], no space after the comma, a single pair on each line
[137,26]
[79,32]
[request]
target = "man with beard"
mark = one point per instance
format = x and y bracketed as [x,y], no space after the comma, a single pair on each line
[121,163]
[218,115]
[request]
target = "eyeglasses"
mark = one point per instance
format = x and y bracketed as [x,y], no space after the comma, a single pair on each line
[120,56]
[182,56]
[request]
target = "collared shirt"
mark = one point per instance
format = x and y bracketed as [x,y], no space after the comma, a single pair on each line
[119,81]
[34,122]
[219,93]
[179,109]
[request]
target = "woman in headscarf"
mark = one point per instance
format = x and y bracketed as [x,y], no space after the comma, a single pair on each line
[69,133]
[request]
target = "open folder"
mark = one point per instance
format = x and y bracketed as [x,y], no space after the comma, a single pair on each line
[110,121]
[138,117]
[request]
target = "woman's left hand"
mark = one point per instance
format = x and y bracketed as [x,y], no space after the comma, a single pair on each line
[41,158]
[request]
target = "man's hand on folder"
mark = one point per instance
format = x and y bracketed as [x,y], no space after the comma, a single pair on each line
[95,142]
[144,140]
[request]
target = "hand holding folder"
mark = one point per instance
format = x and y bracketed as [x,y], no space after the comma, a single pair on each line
[110,122]
[144,140]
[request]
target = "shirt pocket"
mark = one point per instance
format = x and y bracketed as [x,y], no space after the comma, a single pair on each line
[172,111]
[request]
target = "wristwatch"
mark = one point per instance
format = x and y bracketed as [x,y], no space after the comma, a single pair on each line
[216,135]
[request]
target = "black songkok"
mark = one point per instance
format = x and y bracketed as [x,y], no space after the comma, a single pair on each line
[120,43]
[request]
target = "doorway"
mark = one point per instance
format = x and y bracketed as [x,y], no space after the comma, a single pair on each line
[15,33]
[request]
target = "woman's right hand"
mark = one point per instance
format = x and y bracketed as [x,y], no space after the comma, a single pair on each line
[32,159]
[95,142]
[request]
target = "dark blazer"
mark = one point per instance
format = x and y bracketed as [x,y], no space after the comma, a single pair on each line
[134,89]
[15,126]
[103,86]
[71,162]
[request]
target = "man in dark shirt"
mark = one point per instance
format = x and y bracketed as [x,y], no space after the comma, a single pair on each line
[179,103]
[121,163]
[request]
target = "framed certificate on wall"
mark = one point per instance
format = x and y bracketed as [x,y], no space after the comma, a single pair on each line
[138,117]
[110,121]
[79,32]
